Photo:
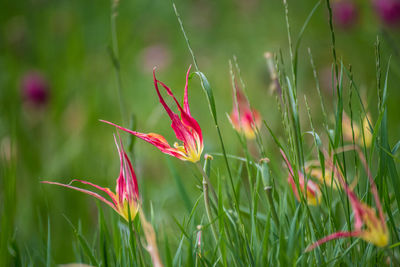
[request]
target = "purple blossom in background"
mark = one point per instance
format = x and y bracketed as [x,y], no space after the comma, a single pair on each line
[35,89]
[388,11]
[345,13]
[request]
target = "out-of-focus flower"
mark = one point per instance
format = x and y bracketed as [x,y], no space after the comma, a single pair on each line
[35,89]
[274,86]
[8,151]
[324,179]
[151,240]
[186,128]
[359,138]
[155,54]
[367,225]
[311,190]
[74,118]
[388,11]
[243,118]
[328,178]
[345,13]
[126,198]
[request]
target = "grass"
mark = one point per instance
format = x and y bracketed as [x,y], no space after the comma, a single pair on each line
[236,208]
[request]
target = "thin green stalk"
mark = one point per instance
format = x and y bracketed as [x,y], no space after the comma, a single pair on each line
[205,177]
[289,40]
[325,117]
[268,191]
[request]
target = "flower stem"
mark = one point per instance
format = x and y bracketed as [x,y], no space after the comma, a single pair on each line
[207,180]
[206,183]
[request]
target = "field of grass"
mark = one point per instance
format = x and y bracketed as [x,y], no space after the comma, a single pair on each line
[285,152]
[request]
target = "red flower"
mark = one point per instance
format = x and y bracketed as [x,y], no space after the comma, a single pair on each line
[127,194]
[243,118]
[186,128]
[367,225]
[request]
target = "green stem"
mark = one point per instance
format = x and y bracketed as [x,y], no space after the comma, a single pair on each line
[206,183]
[205,177]
[268,190]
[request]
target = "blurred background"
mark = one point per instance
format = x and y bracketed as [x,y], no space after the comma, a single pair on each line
[57,80]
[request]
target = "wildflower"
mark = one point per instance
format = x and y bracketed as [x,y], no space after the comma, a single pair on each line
[243,118]
[324,179]
[345,13]
[388,11]
[367,225]
[309,188]
[186,128]
[350,128]
[127,194]
[35,89]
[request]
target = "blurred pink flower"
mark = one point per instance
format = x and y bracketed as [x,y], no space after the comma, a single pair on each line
[243,118]
[157,54]
[309,189]
[388,11]
[35,89]
[345,13]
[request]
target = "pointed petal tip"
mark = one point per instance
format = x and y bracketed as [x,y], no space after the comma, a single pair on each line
[310,248]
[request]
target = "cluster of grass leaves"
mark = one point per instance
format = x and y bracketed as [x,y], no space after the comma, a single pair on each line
[257,221]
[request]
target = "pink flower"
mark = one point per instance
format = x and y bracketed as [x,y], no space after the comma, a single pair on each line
[367,224]
[35,88]
[345,13]
[243,118]
[127,194]
[309,188]
[186,128]
[388,11]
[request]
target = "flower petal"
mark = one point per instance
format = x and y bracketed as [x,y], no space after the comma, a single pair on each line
[331,237]
[185,97]
[154,139]
[180,127]
[89,192]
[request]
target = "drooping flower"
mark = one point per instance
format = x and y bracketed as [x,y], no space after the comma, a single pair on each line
[361,136]
[35,89]
[126,198]
[309,189]
[345,13]
[243,118]
[388,11]
[367,224]
[324,179]
[327,177]
[186,128]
